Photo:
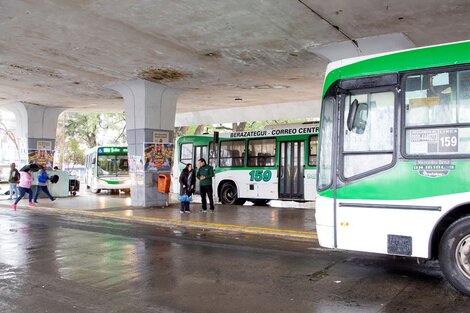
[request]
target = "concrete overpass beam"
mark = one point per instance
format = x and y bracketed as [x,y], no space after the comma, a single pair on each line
[149,107]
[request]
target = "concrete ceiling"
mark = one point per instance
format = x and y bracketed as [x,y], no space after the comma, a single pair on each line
[63,52]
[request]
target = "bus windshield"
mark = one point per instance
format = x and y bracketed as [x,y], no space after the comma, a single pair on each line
[112,165]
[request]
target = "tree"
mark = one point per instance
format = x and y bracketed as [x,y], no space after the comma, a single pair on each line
[10,135]
[74,154]
[77,132]
[83,127]
[94,129]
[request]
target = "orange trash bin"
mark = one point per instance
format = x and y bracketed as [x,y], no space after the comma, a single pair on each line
[163,184]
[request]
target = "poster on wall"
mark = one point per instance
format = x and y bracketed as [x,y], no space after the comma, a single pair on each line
[45,158]
[135,164]
[158,157]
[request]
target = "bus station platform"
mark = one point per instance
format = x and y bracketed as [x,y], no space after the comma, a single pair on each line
[287,220]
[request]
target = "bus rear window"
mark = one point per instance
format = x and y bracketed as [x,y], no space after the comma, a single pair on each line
[312,154]
[186,154]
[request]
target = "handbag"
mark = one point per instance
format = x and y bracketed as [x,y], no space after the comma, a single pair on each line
[185,198]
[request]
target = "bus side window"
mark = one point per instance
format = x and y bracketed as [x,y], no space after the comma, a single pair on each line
[262,152]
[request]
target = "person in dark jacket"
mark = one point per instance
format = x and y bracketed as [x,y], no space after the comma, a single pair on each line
[205,174]
[13,179]
[187,184]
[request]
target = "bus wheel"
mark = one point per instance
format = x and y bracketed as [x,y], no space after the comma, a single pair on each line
[454,255]
[228,194]
[260,202]
[240,201]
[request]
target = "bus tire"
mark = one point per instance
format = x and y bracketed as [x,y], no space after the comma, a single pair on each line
[240,201]
[229,194]
[454,255]
[260,202]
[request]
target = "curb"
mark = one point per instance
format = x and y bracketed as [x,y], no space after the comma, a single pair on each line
[173,223]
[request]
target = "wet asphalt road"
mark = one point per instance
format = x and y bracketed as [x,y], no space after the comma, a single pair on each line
[55,264]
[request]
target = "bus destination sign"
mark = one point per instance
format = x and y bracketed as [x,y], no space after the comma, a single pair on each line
[276,132]
[112,150]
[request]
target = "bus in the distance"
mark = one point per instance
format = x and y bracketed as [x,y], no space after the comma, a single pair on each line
[107,168]
[394,157]
[258,166]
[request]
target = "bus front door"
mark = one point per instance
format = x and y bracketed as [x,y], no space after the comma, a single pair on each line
[291,170]
[200,152]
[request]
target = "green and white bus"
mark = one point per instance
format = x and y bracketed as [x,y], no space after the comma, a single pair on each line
[259,166]
[394,157]
[107,168]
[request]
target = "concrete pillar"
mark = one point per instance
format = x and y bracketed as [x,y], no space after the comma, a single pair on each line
[36,126]
[149,107]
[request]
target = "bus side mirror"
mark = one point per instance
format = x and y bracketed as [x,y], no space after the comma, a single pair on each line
[357,117]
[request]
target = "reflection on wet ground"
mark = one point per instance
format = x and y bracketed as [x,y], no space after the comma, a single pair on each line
[51,264]
[278,215]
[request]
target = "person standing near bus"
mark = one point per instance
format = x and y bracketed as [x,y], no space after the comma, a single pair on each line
[42,185]
[13,179]
[24,186]
[187,183]
[205,174]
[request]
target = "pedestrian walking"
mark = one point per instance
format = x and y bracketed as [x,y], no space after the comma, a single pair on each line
[187,181]
[42,185]
[13,179]
[24,186]
[205,174]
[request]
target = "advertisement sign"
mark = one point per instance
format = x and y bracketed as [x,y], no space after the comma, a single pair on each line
[158,157]
[44,158]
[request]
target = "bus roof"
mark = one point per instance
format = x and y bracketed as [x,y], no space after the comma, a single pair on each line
[398,61]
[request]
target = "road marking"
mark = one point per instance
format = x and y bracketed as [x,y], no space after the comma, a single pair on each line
[287,233]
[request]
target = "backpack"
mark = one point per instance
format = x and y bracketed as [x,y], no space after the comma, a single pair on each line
[14,176]
[42,178]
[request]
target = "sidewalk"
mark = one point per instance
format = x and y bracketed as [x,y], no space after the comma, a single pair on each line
[294,223]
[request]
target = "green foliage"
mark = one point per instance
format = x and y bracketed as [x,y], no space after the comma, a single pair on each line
[86,128]
[78,132]
[73,153]
[257,125]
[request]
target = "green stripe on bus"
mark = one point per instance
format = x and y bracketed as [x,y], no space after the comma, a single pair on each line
[403,182]
[112,182]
